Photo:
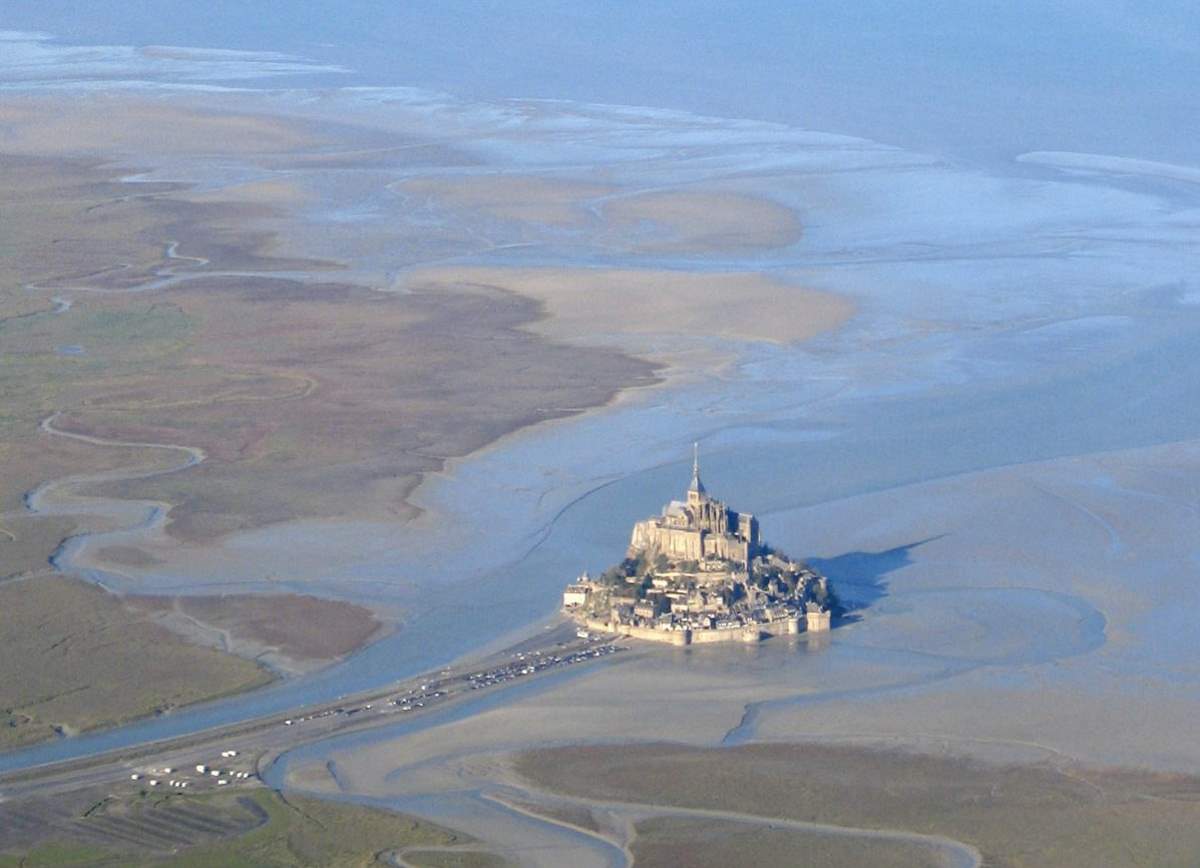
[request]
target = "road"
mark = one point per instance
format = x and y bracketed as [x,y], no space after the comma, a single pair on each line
[259,740]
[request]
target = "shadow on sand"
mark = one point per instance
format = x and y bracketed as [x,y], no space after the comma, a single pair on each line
[858,578]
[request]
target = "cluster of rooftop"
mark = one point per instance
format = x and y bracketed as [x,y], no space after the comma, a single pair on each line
[700,573]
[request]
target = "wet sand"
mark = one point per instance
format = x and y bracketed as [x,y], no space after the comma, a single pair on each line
[704,222]
[582,304]
[113,123]
[526,199]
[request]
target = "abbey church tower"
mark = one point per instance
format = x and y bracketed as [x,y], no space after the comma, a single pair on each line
[696,493]
[699,528]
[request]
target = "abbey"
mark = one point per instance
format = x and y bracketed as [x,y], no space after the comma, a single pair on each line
[700,573]
[700,528]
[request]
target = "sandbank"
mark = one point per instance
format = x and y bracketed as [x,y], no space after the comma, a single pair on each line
[582,303]
[273,192]
[703,221]
[95,123]
[677,221]
[524,198]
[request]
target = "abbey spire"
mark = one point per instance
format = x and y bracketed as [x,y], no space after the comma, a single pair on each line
[696,486]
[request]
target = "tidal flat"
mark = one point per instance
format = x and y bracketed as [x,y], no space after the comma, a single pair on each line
[290,633]
[987,437]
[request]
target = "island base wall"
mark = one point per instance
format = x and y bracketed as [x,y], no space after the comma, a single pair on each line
[746,634]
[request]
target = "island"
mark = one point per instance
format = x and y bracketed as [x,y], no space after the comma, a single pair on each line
[700,573]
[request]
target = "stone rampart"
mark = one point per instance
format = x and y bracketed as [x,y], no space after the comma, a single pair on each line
[739,633]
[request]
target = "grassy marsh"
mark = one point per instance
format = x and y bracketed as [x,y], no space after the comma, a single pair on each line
[77,658]
[1018,816]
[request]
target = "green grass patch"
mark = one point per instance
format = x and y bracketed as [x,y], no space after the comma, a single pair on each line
[291,831]
[303,831]
[77,657]
[1018,816]
[65,856]
[453,859]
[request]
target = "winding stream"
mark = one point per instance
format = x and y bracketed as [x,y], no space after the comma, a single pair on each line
[947,851]
[60,497]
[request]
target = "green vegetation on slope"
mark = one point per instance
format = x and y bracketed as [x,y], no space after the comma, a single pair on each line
[462,858]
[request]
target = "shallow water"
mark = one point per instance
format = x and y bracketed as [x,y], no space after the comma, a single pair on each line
[980,82]
[1037,308]
[979,344]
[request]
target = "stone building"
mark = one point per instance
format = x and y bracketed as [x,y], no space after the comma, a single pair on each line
[698,529]
[578,593]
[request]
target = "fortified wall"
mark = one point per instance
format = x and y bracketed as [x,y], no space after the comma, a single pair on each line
[812,622]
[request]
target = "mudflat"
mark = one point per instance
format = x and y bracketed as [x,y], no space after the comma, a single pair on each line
[118,123]
[320,400]
[294,388]
[698,221]
[661,221]
[519,198]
